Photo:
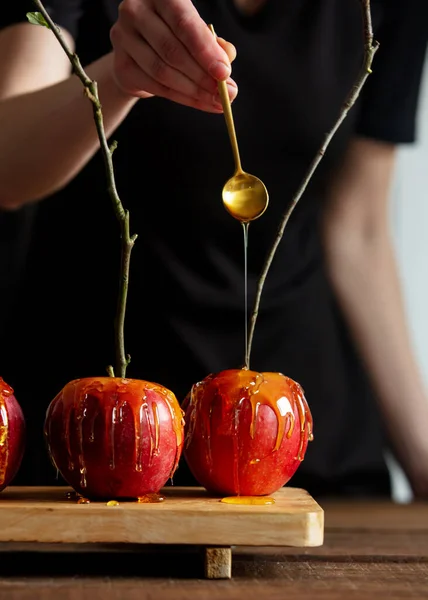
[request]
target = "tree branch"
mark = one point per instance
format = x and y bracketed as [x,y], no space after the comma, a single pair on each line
[370,49]
[91,91]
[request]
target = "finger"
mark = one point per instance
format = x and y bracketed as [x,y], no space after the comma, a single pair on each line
[228,48]
[161,73]
[184,21]
[136,83]
[171,50]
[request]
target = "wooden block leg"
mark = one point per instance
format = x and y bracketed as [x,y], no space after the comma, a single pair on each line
[218,563]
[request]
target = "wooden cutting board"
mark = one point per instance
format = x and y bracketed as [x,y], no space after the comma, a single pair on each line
[187,516]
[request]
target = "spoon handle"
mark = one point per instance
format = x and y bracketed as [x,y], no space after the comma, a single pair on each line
[227,110]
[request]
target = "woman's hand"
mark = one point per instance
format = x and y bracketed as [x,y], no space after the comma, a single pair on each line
[164,48]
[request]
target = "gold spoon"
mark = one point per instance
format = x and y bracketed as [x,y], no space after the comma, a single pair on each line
[245,196]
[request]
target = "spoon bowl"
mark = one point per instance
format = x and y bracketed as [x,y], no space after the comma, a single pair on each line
[245,197]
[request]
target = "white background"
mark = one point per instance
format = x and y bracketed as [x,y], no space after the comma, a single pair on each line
[409,214]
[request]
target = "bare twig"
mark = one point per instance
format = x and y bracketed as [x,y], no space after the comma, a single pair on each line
[370,49]
[91,91]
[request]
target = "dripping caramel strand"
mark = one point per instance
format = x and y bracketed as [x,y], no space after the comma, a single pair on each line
[235,442]
[252,391]
[110,430]
[155,411]
[138,429]
[193,402]
[66,427]
[145,414]
[205,422]
[256,400]
[305,418]
[177,419]
[291,423]
[80,416]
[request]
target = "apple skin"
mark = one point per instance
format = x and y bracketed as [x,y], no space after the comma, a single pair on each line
[12,435]
[113,438]
[246,432]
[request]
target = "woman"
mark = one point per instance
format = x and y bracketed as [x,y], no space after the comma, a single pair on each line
[331,315]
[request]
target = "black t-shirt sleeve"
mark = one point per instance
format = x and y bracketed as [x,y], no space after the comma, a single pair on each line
[65,13]
[388,107]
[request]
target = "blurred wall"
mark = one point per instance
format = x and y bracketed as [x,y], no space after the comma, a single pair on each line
[409,213]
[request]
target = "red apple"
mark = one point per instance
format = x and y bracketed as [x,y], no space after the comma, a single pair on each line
[246,432]
[12,435]
[115,438]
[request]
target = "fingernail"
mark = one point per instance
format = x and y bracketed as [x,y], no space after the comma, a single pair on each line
[220,70]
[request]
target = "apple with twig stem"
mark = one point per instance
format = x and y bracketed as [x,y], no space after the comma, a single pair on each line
[112,437]
[247,432]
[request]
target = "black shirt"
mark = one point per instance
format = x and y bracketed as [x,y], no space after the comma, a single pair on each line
[296,63]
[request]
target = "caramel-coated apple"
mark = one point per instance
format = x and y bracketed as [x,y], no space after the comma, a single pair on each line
[113,438]
[246,432]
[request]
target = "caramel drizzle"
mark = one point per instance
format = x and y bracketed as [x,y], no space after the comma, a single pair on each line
[150,499]
[92,430]
[155,410]
[81,414]
[144,413]
[67,416]
[283,420]
[252,391]
[305,419]
[154,433]
[110,430]
[291,420]
[193,404]
[235,442]
[248,500]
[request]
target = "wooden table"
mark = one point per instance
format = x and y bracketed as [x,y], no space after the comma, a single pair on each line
[372,550]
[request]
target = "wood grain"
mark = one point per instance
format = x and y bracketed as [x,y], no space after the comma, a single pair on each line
[379,515]
[188,516]
[302,580]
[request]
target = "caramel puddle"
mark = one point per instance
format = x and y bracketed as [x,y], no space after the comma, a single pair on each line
[249,500]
